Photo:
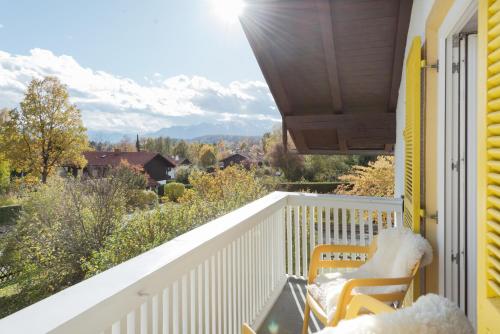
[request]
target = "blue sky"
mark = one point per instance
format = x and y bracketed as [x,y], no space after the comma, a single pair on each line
[134,64]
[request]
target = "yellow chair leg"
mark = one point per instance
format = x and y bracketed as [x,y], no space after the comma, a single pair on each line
[307,314]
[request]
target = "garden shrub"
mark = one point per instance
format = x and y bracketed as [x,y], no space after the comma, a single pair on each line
[142,199]
[173,191]
[9,214]
[182,174]
[212,195]
[61,224]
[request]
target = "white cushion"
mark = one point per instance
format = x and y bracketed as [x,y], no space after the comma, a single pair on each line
[430,314]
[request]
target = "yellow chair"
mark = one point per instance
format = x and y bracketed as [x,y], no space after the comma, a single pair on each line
[361,303]
[246,329]
[346,294]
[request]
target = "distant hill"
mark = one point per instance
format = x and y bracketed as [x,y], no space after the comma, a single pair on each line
[252,128]
[203,132]
[211,139]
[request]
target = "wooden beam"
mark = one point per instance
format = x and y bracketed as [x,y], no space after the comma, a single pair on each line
[299,141]
[342,141]
[360,121]
[399,51]
[339,152]
[325,19]
[284,135]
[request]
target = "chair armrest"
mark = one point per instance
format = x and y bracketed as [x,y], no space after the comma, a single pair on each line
[371,304]
[317,262]
[246,329]
[346,295]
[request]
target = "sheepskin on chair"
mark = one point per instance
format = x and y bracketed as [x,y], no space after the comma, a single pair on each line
[430,314]
[398,250]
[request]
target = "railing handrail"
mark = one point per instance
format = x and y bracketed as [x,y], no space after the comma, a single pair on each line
[112,292]
[295,198]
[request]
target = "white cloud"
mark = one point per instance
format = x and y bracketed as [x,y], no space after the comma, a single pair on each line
[110,102]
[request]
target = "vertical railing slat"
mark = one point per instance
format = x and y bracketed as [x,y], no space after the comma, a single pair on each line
[351,213]
[312,231]
[304,241]
[320,225]
[336,226]
[344,226]
[289,255]
[328,225]
[370,226]
[296,218]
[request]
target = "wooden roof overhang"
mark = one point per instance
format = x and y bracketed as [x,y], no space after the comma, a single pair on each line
[333,67]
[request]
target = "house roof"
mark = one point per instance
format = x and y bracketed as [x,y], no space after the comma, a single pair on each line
[114,158]
[333,67]
[234,156]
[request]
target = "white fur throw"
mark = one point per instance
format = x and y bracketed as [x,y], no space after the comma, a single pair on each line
[398,250]
[430,314]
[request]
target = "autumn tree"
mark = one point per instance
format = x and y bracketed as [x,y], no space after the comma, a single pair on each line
[4,164]
[291,164]
[46,132]
[207,156]
[376,179]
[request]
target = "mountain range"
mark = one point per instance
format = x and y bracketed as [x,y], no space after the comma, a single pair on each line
[202,132]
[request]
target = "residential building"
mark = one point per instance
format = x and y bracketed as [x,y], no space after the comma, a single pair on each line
[155,166]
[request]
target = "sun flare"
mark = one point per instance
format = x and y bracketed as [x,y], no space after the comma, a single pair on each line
[228,10]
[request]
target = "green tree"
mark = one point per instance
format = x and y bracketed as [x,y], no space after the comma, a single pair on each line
[327,168]
[291,164]
[46,132]
[181,149]
[207,156]
[137,144]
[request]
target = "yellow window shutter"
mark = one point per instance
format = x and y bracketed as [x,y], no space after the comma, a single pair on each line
[412,138]
[412,150]
[488,189]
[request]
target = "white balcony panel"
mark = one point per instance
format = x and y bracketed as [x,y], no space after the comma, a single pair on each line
[213,278]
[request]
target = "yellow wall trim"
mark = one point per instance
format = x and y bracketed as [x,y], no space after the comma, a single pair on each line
[436,17]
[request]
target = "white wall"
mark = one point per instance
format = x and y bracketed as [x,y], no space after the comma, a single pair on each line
[419,13]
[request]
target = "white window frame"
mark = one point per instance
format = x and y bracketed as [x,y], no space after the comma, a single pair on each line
[459,14]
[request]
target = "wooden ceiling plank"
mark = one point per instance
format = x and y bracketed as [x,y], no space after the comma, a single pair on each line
[399,49]
[349,121]
[325,19]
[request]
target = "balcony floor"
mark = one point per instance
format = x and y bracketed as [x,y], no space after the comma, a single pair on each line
[287,313]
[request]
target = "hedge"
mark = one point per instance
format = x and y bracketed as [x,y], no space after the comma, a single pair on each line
[9,213]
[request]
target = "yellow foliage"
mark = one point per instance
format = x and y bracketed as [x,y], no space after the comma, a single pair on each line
[46,132]
[376,179]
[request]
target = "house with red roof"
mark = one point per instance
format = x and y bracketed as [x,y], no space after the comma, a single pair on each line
[156,166]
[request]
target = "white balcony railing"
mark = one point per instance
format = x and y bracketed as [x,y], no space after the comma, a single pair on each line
[215,277]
